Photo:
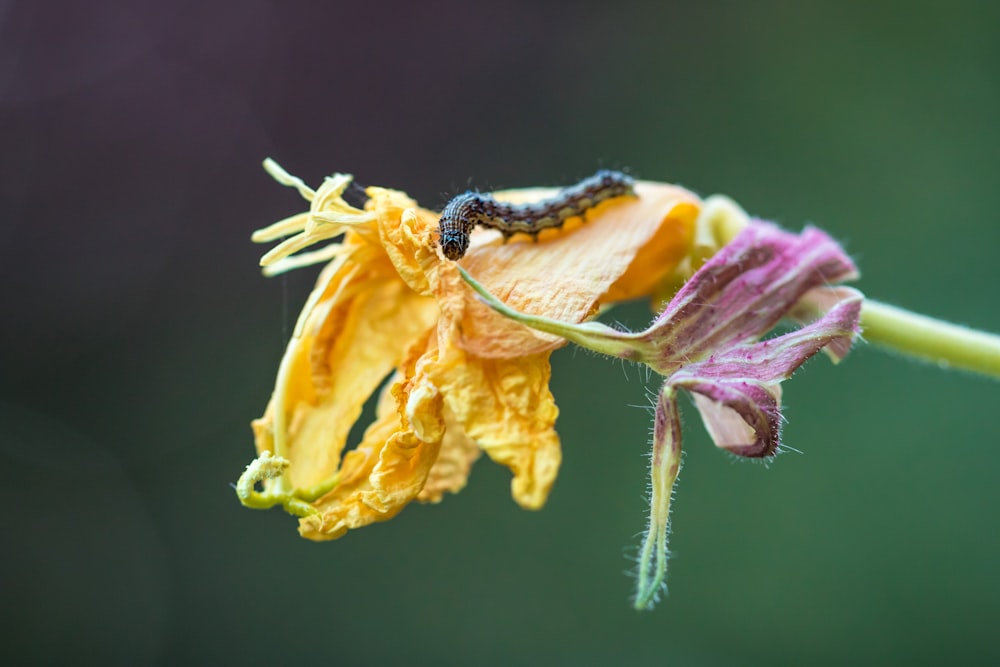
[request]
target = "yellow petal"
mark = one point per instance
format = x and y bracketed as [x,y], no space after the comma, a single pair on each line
[454,461]
[354,336]
[408,235]
[505,406]
[390,466]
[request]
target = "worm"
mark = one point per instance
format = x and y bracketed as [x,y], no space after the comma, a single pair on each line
[473,208]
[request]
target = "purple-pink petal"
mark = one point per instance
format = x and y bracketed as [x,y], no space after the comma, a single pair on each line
[706,338]
[724,404]
[744,290]
[737,391]
[777,358]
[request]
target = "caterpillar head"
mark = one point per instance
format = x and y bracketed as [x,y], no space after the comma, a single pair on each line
[454,243]
[456,224]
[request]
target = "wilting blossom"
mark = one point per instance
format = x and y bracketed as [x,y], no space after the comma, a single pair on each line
[707,341]
[390,318]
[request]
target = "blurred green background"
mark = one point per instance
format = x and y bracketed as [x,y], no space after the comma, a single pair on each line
[139,338]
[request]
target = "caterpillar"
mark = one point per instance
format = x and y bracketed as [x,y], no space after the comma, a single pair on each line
[473,208]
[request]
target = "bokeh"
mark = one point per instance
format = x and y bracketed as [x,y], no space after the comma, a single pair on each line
[139,337]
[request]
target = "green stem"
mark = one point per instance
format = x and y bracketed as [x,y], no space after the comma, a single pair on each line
[947,345]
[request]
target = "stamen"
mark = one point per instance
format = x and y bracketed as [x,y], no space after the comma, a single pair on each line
[279,174]
[329,216]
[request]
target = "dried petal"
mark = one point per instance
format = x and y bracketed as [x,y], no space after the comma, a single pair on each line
[566,275]
[454,462]
[388,469]
[743,417]
[743,292]
[357,335]
[506,407]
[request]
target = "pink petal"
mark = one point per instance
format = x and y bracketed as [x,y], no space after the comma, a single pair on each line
[744,290]
[737,391]
[742,417]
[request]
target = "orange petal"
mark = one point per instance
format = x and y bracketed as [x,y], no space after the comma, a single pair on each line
[567,272]
[658,257]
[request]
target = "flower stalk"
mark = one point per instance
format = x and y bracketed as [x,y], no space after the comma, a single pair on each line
[942,343]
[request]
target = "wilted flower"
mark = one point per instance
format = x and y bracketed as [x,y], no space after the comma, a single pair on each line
[706,342]
[461,378]
[456,378]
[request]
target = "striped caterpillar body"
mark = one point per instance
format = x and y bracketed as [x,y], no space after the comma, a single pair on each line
[472,208]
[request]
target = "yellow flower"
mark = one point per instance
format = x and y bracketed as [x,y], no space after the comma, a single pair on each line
[461,378]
